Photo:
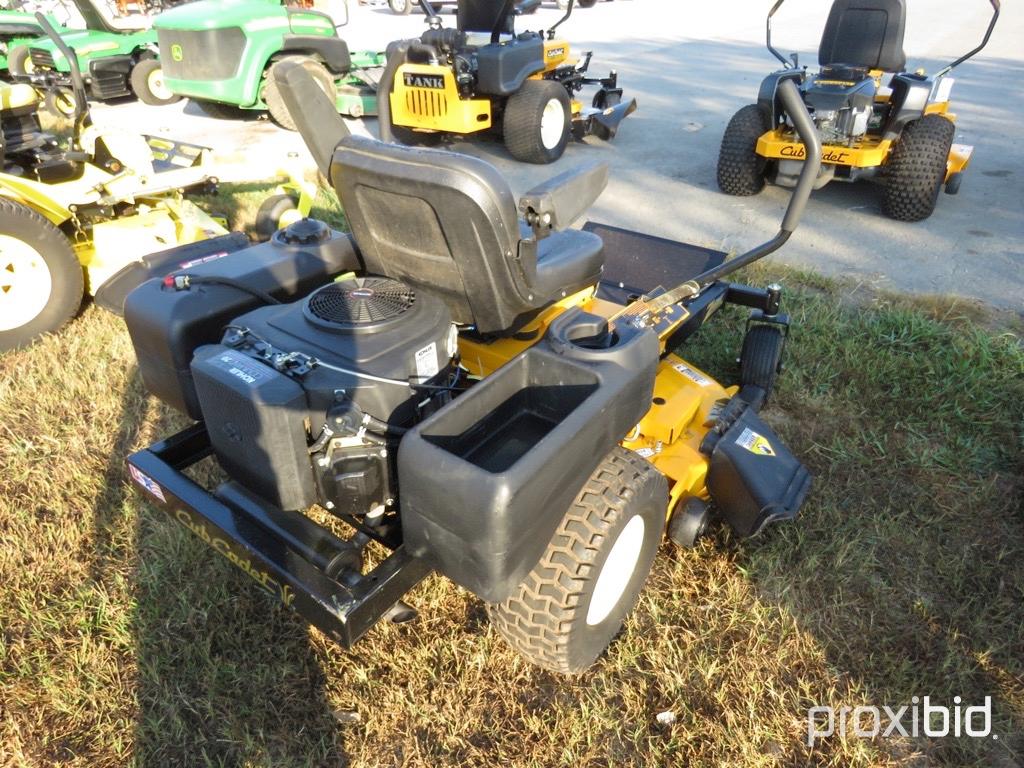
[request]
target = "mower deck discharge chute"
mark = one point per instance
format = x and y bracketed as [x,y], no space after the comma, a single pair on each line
[484,76]
[455,381]
[900,134]
[78,220]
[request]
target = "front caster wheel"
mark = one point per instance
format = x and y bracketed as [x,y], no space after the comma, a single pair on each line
[573,602]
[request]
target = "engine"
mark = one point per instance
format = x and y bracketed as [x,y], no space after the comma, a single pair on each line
[841,105]
[305,402]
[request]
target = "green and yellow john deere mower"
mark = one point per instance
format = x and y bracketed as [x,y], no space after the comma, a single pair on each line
[900,134]
[83,219]
[471,384]
[114,60]
[219,53]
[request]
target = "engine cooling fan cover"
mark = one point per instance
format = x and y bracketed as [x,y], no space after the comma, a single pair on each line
[360,303]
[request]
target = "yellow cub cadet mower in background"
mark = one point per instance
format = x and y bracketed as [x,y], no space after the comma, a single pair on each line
[900,134]
[483,76]
[82,219]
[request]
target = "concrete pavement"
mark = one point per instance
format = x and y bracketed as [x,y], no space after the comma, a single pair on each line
[691,70]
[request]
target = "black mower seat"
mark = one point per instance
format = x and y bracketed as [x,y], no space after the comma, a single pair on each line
[865,33]
[447,223]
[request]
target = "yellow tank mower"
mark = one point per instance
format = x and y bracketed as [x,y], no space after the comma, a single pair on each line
[900,134]
[483,76]
[82,219]
[487,393]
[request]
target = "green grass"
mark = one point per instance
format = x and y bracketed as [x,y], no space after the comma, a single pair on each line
[126,641]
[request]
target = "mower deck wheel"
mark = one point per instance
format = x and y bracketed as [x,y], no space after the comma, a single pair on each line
[147,81]
[272,96]
[60,102]
[573,602]
[41,280]
[536,122]
[19,60]
[741,171]
[401,7]
[917,168]
[689,522]
[761,358]
[274,214]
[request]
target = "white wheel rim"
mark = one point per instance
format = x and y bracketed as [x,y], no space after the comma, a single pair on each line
[25,283]
[552,124]
[65,104]
[155,81]
[617,571]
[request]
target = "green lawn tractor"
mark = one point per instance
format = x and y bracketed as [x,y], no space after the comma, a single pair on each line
[93,218]
[900,134]
[17,29]
[482,77]
[219,53]
[404,7]
[114,62]
[481,390]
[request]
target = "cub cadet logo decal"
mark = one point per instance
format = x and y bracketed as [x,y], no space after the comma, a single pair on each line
[827,155]
[554,53]
[177,53]
[264,579]
[424,81]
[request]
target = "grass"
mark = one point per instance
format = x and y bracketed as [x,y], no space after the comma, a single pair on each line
[125,641]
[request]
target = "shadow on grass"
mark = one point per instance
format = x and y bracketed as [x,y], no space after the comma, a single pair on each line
[223,676]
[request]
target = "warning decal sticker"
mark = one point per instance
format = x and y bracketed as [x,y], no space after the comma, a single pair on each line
[692,375]
[755,443]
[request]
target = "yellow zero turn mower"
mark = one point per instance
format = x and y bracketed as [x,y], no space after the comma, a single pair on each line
[470,385]
[483,76]
[900,133]
[92,218]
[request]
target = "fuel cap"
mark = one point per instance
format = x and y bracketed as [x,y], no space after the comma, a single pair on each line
[306,232]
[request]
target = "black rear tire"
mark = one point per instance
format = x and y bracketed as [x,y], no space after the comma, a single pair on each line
[586,3]
[527,137]
[741,171]
[761,358]
[19,60]
[268,217]
[275,102]
[37,245]
[917,168]
[220,110]
[147,84]
[552,618]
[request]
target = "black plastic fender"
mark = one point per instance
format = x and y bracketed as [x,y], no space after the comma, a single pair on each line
[909,98]
[333,50]
[768,95]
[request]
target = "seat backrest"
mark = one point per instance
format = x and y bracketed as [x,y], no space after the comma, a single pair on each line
[865,33]
[440,221]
